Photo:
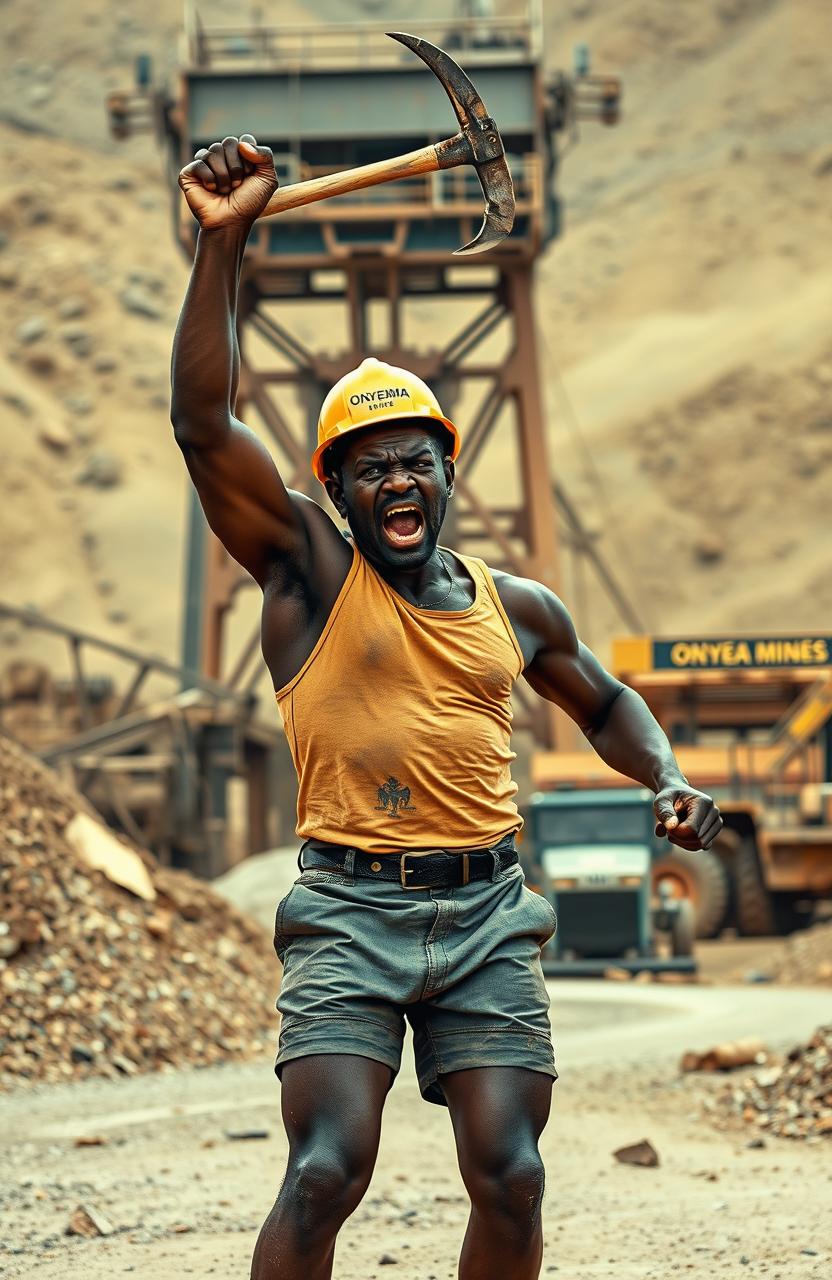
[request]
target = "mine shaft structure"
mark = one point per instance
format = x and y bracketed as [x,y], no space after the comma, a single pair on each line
[327,98]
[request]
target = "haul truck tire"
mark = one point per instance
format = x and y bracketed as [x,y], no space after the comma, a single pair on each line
[761,913]
[754,906]
[702,879]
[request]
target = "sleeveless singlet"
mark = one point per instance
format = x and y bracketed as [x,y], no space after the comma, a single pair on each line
[399,721]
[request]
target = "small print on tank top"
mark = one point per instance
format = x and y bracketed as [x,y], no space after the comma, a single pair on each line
[394,799]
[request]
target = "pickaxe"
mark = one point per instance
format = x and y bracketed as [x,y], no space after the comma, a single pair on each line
[478,143]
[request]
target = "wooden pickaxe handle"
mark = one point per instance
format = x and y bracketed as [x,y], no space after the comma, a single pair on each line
[425,160]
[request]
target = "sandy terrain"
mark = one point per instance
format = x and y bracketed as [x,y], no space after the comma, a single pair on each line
[184,1199]
[684,317]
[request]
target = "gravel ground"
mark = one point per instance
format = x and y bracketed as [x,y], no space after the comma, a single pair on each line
[184,1199]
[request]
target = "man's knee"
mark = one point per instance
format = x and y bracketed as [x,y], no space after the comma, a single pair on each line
[326,1185]
[509,1184]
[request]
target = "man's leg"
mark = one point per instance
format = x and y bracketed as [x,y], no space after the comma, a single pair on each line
[331,1105]
[498,1114]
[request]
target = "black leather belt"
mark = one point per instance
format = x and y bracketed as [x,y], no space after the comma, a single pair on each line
[416,869]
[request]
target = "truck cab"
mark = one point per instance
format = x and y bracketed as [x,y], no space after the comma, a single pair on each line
[592,858]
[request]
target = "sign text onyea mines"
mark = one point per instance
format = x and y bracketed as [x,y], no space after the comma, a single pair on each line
[721,653]
[797,651]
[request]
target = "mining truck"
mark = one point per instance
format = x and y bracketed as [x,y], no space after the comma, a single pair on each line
[750,721]
[593,854]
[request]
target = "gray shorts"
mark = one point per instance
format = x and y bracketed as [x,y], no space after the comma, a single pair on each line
[462,965]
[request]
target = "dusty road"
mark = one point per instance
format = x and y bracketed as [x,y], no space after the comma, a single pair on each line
[186,1200]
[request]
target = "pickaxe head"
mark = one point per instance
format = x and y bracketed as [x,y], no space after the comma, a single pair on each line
[477,143]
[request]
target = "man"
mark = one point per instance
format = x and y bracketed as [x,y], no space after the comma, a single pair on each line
[393,660]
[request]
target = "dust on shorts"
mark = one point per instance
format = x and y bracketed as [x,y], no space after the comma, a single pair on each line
[462,965]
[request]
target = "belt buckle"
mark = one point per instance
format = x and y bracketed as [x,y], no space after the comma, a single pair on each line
[406,871]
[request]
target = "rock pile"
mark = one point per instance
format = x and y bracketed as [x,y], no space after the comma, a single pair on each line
[793,1098]
[100,979]
[806,957]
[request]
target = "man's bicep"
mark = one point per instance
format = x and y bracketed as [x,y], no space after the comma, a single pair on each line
[244,499]
[566,672]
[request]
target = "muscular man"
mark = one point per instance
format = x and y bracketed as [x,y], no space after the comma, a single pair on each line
[393,660]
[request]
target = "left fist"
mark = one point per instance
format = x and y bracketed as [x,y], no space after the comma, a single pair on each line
[687,817]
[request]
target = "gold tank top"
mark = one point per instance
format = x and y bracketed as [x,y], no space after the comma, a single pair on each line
[399,721]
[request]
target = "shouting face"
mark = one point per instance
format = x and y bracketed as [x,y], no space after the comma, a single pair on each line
[392,487]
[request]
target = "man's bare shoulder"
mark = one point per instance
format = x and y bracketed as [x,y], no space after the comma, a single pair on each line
[530,603]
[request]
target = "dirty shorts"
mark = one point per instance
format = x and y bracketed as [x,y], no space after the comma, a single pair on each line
[461,964]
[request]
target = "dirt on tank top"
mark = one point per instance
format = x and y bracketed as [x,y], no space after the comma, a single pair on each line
[399,721]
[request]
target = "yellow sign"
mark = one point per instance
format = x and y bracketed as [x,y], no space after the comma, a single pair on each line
[724,653]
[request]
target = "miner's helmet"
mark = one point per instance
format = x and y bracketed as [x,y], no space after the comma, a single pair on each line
[370,396]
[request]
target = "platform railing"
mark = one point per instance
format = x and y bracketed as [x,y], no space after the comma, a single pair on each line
[142,667]
[350,44]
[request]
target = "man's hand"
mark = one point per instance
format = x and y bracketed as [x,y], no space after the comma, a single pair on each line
[687,817]
[229,183]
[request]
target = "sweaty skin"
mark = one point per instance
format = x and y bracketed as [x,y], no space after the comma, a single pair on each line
[296,553]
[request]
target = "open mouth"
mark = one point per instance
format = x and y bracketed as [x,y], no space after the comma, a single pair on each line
[403,526]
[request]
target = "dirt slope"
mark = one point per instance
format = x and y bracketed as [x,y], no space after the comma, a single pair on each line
[685,317]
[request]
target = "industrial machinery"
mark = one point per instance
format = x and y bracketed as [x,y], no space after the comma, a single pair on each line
[749,720]
[590,853]
[178,762]
[373,272]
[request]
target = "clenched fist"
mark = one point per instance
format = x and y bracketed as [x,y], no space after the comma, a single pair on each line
[229,183]
[687,817]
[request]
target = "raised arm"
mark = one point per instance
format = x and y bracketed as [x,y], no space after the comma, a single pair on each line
[614,718]
[245,501]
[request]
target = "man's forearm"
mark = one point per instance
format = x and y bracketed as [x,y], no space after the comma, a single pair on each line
[206,357]
[632,742]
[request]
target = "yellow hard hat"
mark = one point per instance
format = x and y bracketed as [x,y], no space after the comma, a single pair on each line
[370,396]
